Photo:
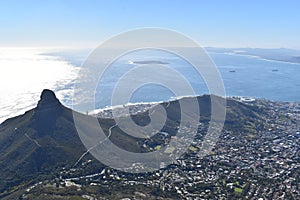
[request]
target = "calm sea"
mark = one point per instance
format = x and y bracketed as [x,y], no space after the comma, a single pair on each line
[242,76]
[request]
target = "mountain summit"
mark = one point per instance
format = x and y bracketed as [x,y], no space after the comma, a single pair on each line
[48,100]
[47,112]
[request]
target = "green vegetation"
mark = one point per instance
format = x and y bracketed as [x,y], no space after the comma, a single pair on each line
[193,149]
[238,190]
[158,147]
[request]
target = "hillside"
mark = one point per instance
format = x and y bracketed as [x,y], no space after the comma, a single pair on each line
[43,142]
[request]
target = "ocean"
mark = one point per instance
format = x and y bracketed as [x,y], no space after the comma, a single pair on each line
[259,78]
[242,75]
[25,72]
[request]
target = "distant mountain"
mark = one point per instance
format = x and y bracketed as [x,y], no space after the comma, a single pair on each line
[40,143]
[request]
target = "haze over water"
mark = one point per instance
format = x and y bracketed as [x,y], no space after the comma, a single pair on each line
[25,72]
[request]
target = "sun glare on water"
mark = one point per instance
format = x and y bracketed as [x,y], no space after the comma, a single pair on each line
[25,72]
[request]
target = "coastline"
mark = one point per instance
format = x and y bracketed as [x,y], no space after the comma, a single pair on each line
[139,107]
[238,52]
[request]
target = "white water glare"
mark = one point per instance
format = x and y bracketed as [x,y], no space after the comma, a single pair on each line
[25,72]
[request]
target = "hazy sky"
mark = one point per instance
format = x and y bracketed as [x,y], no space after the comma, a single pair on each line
[227,23]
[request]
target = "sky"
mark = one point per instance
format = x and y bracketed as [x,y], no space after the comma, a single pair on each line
[217,23]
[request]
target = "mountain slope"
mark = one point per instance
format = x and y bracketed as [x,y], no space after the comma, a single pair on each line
[40,143]
[37,142]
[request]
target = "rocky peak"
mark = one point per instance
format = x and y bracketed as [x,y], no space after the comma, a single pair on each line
[48,100]
[46,113]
